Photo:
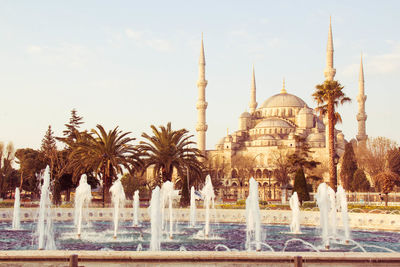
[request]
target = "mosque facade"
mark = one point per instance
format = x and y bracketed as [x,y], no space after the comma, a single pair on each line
[269,132]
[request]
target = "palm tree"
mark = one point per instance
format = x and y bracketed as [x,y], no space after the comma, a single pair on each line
[104,153]
[328,96]
[168,150]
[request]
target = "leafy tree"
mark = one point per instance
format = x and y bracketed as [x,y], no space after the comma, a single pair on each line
[372,158]
[349,166]
[282,166]
[328,96]
[105,153]
[168,150]
[300,186]
[359,182]
[387,181]
[31,162]
[301,156]
[244,166]
[130,184]
[393,160]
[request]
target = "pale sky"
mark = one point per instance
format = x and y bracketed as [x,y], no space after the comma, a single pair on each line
[135,63]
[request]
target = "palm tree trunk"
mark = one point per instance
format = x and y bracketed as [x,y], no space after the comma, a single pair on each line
[331,146]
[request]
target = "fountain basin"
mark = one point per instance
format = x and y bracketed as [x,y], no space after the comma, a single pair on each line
[365,221]
[201,258]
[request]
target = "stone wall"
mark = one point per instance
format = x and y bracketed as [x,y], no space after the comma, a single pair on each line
[367,221]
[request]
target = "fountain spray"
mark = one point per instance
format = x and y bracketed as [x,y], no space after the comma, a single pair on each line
[83,196]
[136,208]
[16,223]
[341,202]
[323,205]
[155,219]
[208,195]
[295,207]
[118,199]
[253,217]
[45,222]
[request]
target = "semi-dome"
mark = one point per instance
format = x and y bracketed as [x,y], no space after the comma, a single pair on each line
[245,115]
[273,122]
[283,100]
[316,137]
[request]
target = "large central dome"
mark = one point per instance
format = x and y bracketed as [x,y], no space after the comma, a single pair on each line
[283,100]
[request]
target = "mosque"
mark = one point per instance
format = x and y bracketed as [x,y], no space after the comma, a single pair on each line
[269,131]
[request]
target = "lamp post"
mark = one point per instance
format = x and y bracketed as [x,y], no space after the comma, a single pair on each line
[335,162]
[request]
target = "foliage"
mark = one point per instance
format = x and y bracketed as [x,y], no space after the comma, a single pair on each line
[393,160]
[130,183]
[104,153]
[8,175]
[359,182]
[387,180]
[328,96]
[282,166]
[74,124]
[170,150]
[301,157]
[349,167]
[244,166]
[300,186]
[372,157]
[31,163]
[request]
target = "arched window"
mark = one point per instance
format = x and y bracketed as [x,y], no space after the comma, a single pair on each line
[234,184]
[234,174]
[258,173]
[265,173]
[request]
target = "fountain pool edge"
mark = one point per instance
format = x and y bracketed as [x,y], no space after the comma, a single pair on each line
[200,257]
[363,221]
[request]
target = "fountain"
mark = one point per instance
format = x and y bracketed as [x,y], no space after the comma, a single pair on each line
[16,223]
[323,205]
[253,219]
[342,206]
[332,211]
[167,195]
[118,199]
[155,220]
[295,207]
[208,195]
[45,222]
[83,196]
[193,198]
[136,208]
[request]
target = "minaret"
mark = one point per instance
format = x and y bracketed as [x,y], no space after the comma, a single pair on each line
[201,104]
[253,102]
[329,71]
[361,116]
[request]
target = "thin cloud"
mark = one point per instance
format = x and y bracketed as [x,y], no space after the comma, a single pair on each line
[69,55]
[147,39]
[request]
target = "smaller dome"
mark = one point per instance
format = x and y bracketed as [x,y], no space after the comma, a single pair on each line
[273,122]
[228,138]
[245,115]
[316,137]
[221,141]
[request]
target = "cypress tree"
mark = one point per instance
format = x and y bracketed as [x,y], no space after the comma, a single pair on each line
[300,186]
[185,194]
[349,166]
[360,182]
